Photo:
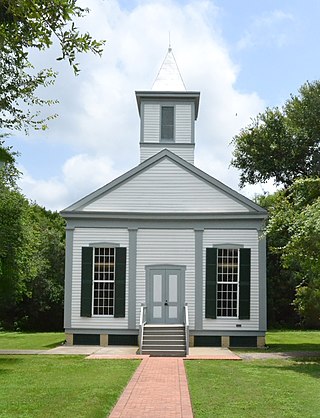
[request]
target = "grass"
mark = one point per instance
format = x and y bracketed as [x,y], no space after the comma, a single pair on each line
[293,341]
[260,388]
[30,341]
[61,386]
[276,341]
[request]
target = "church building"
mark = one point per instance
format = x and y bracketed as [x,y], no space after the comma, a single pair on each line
[165,256]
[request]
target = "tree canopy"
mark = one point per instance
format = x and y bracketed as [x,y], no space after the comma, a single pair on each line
[26,25]
[293,235]
[31,260]
[282,144]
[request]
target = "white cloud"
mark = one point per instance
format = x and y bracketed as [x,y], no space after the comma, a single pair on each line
[81,175]
[98,115]
[271,29]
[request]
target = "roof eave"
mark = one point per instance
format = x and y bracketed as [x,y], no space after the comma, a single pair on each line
[195,95]
[163,216]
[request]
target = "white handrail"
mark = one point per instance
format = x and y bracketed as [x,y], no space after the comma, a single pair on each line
[186,326]
[142,323]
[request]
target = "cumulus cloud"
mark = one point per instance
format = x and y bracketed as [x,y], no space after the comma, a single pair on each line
[80,175]
[270,29]
[98,113]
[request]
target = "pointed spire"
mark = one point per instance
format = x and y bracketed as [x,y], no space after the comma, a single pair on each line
[169,77]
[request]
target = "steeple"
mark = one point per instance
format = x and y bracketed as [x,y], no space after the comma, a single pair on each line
[169,77]
[168,113]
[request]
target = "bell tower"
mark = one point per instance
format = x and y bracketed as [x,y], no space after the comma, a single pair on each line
[168,113]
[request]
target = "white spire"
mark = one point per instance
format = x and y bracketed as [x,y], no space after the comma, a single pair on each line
[169,77]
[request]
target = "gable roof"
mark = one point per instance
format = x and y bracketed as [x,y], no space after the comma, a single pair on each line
[250,206]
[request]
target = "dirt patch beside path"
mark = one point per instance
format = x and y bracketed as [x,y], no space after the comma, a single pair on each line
[284,355]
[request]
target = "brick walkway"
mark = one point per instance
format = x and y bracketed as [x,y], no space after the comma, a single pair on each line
[158,389]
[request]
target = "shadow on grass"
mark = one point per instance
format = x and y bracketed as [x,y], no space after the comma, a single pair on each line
[6,364]
[280,348]
[54,345]
[309,366]
[294,347]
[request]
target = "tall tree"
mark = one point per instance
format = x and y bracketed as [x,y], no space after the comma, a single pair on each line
[26,25]
[31,258]
[281,283]
[282,144]
[293,234]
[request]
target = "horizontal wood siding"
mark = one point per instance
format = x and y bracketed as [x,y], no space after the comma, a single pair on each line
[151,123]
[166,187]
[83,237]
[183,123]
[186,153]
[170,246]
[249,239]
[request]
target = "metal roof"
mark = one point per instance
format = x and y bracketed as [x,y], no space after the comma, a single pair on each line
[169,77]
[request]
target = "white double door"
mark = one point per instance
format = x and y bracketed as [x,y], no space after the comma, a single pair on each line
[165,295]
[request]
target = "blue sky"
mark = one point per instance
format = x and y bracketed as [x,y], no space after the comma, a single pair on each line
[241,55]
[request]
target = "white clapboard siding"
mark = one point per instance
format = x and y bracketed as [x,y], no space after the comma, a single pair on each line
[151,123]
[83,237]
[183,123]
[166,187]
[169,246]
[186,153]
[249,239]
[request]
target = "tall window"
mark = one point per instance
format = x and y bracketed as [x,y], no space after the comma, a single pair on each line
[167,123]
[103,281]
[227,282]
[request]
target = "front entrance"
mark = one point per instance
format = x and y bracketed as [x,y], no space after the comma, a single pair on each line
[165,294]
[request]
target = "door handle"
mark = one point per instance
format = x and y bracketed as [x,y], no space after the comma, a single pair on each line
[166,303]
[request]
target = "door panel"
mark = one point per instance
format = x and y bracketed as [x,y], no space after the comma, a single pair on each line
[165,290]
[155,309]
[171,310]
[157,287]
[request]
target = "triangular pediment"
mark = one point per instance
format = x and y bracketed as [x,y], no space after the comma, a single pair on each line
[165,183]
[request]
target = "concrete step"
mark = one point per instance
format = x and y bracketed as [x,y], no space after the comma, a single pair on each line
[164,352]
[169,334]
[163,332]
[164,338]
[164,326]
[164,349]
[164,344]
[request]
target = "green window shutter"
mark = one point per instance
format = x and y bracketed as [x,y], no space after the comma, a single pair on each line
[211,283]
[86,281]
[120,283]
[244,283]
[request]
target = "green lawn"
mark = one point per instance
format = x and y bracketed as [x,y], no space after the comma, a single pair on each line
[293,341]
[260,388]
[276,340]
[61,386]
[30,341]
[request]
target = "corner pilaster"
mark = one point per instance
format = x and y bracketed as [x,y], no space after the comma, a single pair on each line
[132,278]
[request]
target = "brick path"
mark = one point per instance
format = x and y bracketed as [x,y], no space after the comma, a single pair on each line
[158,389]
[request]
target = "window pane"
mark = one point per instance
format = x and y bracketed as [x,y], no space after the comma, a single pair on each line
[167,123]
[103,281]
[227,282]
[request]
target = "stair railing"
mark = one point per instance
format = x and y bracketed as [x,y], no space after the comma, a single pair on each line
[142,323]
[186,326]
